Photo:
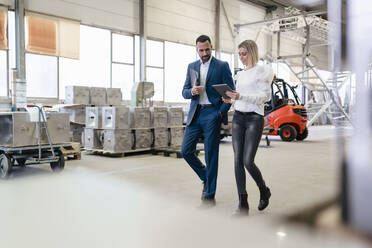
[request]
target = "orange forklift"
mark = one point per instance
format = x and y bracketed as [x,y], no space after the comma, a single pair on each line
[284,114]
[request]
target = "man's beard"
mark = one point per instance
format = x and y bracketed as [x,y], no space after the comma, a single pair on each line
[206,58]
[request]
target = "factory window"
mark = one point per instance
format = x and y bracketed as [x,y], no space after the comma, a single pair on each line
[52,35]
[3,73]
[156,76]
[136,58]
[93,68]
[177,58]
[122,48]
[41,76]
[123,64]
[122,77]
[229,58]
[155,67]
[154,53]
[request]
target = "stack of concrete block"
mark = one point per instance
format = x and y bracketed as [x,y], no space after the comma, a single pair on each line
[176,136]
[143,138]
[81,98]
[93,138]
[118,136]
[93,117]
[175,116]
[93,128]
[117,140]
[113,96]
[115,117]
[161,137]
[140,117]
[97,96]
[76,112]
[159,116]
[140,121]
[77,95]
[175,124]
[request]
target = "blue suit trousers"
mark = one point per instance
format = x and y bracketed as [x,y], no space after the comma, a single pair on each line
[206,123]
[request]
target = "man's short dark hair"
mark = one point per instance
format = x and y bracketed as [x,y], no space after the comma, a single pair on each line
[203,38]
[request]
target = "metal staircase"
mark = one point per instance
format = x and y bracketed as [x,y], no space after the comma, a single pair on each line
[324,97]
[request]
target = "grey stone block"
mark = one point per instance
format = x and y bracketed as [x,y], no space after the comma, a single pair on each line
[161,137]
[117,140]
[76,95]
[115,117]
[97,96]
[93,117]
[143,138]
[93,138]
[113,96]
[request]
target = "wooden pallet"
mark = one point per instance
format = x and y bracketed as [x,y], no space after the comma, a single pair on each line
[116,154]
[73,151]
[167,151]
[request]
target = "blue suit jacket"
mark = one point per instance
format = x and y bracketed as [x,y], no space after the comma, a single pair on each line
[218,73]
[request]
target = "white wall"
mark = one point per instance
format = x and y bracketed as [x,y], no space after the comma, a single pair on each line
[251,13]
[180,20]
[233,13]
[9,3]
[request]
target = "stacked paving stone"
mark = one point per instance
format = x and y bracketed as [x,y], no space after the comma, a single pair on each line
[78,98]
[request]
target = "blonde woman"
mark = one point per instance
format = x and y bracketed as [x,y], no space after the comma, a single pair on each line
[253,89]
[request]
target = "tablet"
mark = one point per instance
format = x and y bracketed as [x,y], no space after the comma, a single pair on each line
[221,89]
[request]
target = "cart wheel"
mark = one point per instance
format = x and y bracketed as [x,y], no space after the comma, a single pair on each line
[60,164]
[21,162]
[5,166]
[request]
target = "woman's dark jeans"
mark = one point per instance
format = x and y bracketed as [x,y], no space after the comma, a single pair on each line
[246,135]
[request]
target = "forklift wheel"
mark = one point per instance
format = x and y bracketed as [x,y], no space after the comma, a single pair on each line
[5,166]
[302,136]
[287,132]
[60,164]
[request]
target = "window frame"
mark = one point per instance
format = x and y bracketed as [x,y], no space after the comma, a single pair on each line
[122,63]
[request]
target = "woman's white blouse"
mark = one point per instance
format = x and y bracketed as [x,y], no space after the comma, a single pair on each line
[254,87]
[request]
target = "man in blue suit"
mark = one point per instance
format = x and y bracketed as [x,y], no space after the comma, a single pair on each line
[206,113]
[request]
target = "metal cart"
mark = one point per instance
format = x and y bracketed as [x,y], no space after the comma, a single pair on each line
[36,154]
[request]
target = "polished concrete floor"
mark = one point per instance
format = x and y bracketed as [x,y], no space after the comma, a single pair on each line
[154,201]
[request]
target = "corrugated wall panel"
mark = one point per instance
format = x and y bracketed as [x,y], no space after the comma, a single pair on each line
[9,3]
[180,21]
[114,14]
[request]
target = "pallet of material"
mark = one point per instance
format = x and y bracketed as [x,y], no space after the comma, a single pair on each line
[175,150]
[72,151]
[115,154]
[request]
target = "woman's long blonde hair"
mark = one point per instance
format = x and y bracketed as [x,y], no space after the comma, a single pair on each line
[252,50]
